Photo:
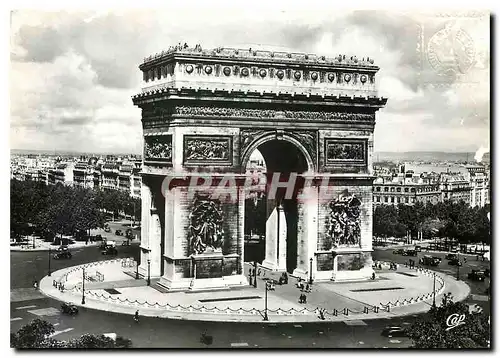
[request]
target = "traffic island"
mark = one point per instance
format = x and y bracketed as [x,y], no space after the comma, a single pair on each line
[109,286]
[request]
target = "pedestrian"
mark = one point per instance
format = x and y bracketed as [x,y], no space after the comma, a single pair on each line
[136,316]
[465,260]
[305,299]
[285,276]
[35,285]
[307,288]
[373,275]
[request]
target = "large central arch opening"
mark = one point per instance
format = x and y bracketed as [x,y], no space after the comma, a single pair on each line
[267,159]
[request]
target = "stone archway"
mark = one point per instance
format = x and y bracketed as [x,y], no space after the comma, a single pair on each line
[205,111]
[284,156]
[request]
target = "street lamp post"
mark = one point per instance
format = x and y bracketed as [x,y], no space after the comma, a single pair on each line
[49,263]
[137,267]
[434,292]
[255,274]
[33,241]
[266,318]
[149,277]
[458,266]
[83,286]
[311,271]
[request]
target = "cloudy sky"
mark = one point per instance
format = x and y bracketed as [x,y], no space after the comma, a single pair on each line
[73,73]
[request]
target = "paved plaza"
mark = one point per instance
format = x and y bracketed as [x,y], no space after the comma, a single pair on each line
[111,286]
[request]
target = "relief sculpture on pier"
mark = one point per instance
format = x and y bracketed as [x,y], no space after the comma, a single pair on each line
[343,223]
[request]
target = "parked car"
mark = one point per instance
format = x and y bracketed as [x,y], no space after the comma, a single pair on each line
[63,255]
[476,275]
[437,258]
[418,248]
[398,252]
[429,260]
[107,228]
[451,256]
[455,262]
[394,331]
[118,232]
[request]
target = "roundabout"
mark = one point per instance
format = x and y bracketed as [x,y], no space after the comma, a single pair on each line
[111,286]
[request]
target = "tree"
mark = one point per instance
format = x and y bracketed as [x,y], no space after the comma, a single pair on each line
[31,335]
[430,330]
[37,335]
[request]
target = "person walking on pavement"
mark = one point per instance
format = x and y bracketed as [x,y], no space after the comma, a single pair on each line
[136,316]
[35,285]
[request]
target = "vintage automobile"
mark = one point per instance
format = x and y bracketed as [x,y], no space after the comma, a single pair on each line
[455,262]
[394,331]
[110,250]
[62,255]
[410,253]
[68,308]
[476,275]
[398,252]
[429,260]
[118,233]
[418,248]
[450,256]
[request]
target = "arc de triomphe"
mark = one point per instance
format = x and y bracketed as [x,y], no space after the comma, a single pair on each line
[205,111]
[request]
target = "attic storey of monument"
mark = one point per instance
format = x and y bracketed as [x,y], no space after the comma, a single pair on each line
[205,111]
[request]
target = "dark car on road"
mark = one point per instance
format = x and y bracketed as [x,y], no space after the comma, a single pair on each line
[394,331]
[451,256]
[118,232]
[430,261]
[455,262]
[109,250]
[62,255]
[476,275]
[418,248]
[398,252]
[410,253]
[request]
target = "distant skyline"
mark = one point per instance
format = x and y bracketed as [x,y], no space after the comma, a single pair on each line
[83,69]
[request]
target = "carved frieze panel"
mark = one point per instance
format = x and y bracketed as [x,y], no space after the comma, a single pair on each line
[345,151]
[158,148]
[343,225]
[270,113]
[208,150]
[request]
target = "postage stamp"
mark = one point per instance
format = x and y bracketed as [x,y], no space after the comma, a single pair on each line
[453,48]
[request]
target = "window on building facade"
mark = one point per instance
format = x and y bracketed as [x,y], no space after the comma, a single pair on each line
[392,190]
[386,189]
[398,190]
[386,199]
[406,190]
[392,199]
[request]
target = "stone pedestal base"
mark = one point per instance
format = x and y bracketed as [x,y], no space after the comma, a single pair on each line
[217,283]
[302,274]
[273,266]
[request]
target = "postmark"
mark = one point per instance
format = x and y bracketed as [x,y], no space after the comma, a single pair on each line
[453,49]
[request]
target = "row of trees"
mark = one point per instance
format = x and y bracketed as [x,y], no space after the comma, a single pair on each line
[445,219]
[48,210]
[37,333]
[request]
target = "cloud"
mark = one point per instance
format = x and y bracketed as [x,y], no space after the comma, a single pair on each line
[83,68]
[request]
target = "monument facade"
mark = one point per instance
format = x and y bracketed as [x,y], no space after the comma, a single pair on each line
[205,111]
